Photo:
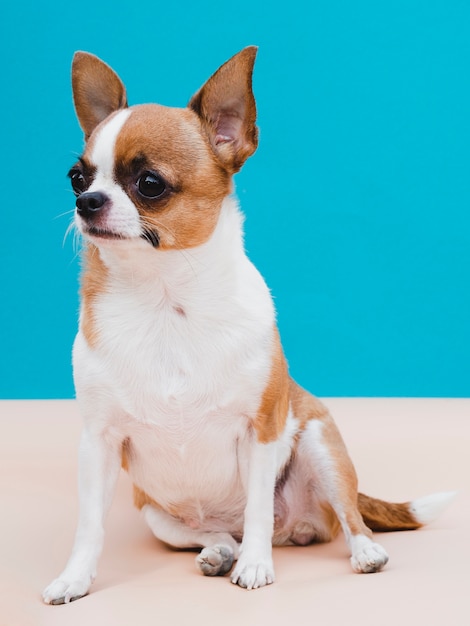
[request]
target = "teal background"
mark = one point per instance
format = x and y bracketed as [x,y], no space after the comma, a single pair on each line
[357,201]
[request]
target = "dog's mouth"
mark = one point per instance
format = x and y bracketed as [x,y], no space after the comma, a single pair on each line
[101,233]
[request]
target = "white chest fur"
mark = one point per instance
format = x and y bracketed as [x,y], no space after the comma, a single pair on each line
[183,357]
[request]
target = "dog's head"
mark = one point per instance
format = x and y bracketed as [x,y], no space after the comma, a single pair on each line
[156,175]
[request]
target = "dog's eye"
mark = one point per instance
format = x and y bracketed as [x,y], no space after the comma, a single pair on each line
[78,182]
[150,185]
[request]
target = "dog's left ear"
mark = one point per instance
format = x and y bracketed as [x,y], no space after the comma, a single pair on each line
[227,109]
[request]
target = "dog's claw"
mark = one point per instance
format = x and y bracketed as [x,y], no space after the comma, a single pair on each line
[63,592]
[370,559]
[253,576]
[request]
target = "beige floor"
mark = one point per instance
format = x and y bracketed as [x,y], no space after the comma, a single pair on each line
[401,448]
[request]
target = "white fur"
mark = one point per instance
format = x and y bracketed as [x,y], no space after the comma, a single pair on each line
[105,141]
[255,566]
[367,556]
[100,463]
[428,508]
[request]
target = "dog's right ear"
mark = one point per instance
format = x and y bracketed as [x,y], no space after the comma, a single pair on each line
[97,91]
[227,109]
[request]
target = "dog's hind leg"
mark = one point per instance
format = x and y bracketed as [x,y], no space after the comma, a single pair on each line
[326,464]
[322,448]
[219,549]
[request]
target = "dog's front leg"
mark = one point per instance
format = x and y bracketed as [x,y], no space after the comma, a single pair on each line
[255,565]
[99,464]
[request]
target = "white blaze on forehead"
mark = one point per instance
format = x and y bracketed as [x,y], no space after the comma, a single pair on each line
[122,217]
[103,150]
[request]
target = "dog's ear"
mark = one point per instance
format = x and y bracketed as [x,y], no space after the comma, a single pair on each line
[97,91]
[227,109]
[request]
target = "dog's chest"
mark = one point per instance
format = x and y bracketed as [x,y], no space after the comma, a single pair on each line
[180,365]
[164,358]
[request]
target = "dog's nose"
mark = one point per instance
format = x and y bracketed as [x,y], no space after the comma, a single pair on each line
[90,202]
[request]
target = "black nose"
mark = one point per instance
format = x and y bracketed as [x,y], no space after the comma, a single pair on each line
[90,202]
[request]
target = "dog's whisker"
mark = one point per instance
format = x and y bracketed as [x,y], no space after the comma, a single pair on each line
[76,241]
[76,238]
[70,228]
[71,212]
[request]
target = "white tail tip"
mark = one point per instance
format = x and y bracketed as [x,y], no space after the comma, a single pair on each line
[428,508]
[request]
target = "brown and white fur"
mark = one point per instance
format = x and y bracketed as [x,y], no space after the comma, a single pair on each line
[179,370]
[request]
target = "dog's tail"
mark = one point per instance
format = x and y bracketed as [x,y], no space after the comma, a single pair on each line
[383,516]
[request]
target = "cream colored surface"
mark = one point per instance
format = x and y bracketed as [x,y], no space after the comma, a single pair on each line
[402,449]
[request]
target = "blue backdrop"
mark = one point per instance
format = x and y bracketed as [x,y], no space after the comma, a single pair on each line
[357,201]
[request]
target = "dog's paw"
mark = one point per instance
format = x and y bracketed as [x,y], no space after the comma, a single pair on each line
[215,560]
[63,591]
[251,574]
[370,558]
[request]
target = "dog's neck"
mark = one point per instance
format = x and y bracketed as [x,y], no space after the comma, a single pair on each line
[138,265]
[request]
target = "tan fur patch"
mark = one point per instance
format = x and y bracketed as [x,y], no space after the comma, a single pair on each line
[272,413]
[94,282]
[141,499]
[304,405]
[331,520]
[125,454]
[346,477]
[383,516]
[175,148]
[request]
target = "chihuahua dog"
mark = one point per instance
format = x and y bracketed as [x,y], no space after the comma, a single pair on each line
[178,365]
